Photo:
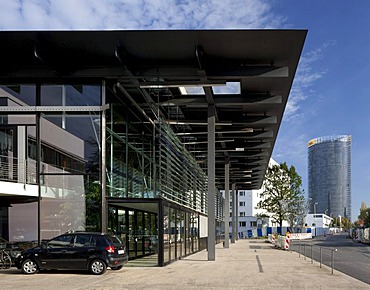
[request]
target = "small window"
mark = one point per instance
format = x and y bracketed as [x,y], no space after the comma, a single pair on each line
[83,241]
[114,239]
[60,242]
[242,213]
[242,203]
[101,241]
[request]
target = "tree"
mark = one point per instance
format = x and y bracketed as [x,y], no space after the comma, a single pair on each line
[364,217]
[296,211]
[282,196]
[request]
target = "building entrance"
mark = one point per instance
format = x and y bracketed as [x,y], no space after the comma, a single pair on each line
[137,225]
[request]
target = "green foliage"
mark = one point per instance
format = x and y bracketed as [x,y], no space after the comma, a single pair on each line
[340,223]
[282,195]
[364,217]
[93,207]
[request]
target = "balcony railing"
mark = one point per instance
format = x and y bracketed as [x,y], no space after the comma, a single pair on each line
[24,171]
[17,170]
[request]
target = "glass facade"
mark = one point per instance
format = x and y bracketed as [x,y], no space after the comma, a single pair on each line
[130,132]
[47,160]
[329,175]
[68,166]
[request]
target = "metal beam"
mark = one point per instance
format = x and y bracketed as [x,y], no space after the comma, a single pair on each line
[54,109]
[176,84]
[225,100]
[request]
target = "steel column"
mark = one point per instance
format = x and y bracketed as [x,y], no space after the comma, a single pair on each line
[38,163]
[236,214]
[211,184]
[233,214]
[104,205]
[227,203]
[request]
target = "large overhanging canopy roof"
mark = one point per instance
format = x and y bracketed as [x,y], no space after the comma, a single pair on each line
[246,74]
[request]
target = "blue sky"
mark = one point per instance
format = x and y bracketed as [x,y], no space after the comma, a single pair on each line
[331,91]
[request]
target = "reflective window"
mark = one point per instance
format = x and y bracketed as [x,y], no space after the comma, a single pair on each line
[61,242]
[173,234]
[166,236]
[83,241]
[21,95]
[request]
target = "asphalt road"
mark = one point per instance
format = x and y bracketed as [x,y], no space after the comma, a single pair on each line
[351,258]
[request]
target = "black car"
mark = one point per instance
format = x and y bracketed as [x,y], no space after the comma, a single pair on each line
[78,250]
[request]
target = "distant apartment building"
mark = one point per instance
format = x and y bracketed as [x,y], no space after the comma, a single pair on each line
[249,216]
[329,175]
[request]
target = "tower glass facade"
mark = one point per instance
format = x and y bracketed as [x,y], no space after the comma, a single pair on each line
[329,175]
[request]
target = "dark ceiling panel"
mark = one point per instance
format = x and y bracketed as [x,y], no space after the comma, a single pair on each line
[263,62]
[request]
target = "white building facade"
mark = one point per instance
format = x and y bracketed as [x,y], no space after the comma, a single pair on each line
[249,220]
[318,220]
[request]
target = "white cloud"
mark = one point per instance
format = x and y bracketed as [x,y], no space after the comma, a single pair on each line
[307,75]
[136,14]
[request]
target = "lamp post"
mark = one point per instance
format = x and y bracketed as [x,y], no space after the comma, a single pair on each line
[340,223]
[314,215]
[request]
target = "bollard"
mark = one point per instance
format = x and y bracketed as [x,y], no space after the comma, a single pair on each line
[320,256]
[332,260]
[304,251]
[311,255]
[287,242]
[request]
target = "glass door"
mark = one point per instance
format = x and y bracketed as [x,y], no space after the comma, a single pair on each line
[132,239]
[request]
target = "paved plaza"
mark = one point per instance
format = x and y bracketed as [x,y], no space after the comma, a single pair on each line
[247,264]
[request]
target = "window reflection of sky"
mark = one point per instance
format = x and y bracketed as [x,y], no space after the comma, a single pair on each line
[229,88]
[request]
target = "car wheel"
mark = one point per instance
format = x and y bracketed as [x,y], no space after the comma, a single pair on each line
[29,267]
[97,267]
[117,267]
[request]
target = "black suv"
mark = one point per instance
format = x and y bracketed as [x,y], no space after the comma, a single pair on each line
[78,251]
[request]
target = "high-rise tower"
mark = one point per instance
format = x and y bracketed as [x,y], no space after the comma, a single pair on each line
[329,175]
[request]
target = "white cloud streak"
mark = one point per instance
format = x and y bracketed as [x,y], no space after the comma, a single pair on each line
[136,14]
[306,77]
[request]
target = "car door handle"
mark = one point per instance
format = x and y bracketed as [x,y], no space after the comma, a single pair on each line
[63,251]
[91,250]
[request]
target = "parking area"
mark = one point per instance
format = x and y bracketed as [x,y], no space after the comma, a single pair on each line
[247,264]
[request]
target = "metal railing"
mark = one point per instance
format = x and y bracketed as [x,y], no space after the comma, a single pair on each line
[24,170]
[310,253]
[17,170]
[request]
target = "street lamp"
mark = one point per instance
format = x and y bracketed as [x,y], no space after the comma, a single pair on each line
[314,215]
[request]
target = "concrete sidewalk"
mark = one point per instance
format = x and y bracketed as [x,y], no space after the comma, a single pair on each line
[247,264]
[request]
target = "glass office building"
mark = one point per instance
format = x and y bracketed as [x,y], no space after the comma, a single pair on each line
[329,175]
[150,176]
[132,132]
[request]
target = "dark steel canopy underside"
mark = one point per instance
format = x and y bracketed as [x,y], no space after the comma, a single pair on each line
[153,67]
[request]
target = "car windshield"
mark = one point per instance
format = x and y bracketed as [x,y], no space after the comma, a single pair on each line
[114,239]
